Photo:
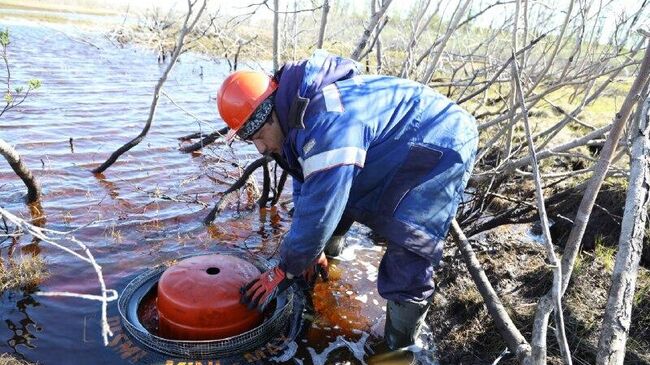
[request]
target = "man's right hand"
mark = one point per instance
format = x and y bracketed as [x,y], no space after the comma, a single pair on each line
[260,292]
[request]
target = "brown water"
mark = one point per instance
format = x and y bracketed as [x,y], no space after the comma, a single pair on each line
[147,208]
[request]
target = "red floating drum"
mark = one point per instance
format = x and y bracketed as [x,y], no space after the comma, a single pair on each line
[198,298]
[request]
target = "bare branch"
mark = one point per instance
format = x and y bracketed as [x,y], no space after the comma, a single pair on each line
[507,329]
[555,264]
[106,296]
[363,40]
[185,29]
[19,167]
[218,208]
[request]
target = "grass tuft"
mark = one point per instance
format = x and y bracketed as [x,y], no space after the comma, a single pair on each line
[6,359]
[25,272]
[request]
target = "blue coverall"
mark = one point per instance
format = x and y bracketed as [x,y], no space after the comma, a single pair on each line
[386,152]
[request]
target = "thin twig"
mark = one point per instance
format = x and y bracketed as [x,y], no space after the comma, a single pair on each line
[541,208]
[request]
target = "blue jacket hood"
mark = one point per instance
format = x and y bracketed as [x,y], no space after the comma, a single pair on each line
[300,81]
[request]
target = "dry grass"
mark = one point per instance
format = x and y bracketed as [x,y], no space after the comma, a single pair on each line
[6,359]
[24,272]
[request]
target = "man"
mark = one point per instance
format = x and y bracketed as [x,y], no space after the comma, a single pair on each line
[387,152]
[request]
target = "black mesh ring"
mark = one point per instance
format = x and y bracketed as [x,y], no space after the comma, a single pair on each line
[131,296]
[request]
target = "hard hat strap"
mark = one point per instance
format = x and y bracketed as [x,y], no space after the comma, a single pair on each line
[257,119]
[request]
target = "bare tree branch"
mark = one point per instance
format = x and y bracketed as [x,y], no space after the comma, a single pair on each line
[19,167]
[218,208]
[185,29]
[106,296]
[363,40]
[555,264]
[507,329]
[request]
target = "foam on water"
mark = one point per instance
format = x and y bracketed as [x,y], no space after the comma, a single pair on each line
[355,347]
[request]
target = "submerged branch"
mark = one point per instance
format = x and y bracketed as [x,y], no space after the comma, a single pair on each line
[248,171]
[19,167]
[206,140]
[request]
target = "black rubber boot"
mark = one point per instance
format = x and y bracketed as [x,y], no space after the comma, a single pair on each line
[334,246]
[403,322]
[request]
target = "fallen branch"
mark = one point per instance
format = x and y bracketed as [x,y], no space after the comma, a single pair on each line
[507,329]
[208,139]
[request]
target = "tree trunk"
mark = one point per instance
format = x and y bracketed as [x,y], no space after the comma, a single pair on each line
[616,324]
[276,35]
[323,23]
[363,40]
[16,163]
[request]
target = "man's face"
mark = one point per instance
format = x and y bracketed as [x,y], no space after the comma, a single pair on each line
[269,138]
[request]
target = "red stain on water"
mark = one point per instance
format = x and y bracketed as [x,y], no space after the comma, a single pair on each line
[148,207]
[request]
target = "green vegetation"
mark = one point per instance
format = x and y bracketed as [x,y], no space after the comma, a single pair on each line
[15,97]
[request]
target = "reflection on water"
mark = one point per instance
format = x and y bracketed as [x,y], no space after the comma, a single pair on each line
[21,326]
[148,207]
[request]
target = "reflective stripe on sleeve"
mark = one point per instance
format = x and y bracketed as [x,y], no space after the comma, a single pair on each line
[328,159]
[332,99]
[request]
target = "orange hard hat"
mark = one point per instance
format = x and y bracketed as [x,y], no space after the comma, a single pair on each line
[240,95]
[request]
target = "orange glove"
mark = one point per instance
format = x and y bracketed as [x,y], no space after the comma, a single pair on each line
[260,292]
[320,267]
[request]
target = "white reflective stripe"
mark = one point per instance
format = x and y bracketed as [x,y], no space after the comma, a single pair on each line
[333,158]
[332,98]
